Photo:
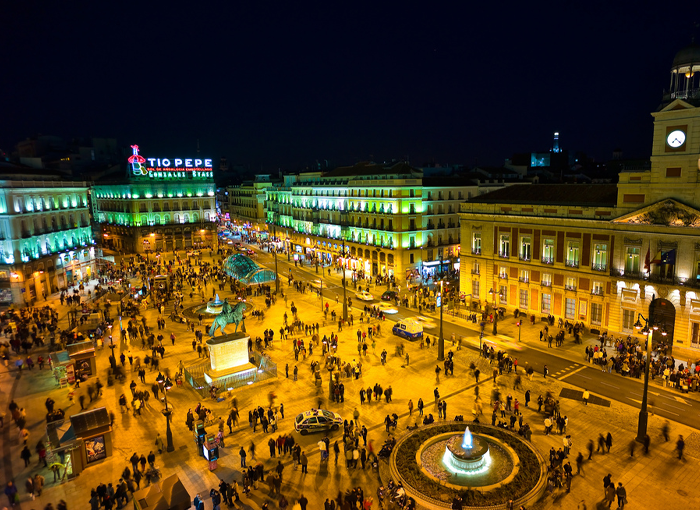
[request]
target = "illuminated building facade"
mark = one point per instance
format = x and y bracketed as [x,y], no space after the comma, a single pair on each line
[380,219]
[163,204]
[246,202]
[601,254]
[46,240]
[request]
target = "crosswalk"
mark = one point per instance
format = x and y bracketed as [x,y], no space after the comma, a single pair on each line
[567,371]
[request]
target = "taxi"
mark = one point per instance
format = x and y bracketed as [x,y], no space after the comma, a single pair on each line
[363,295]
[427,322]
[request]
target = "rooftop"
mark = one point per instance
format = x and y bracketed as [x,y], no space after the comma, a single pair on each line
[369,168]
[591,195]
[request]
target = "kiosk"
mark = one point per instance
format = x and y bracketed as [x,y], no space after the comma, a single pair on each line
[211,451]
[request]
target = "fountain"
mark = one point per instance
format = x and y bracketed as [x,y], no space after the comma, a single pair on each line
[471,456]
[214,307]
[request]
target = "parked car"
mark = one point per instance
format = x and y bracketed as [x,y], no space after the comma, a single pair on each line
[317,420]
[408,328]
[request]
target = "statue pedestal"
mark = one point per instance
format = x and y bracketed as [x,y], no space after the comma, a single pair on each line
[228,355]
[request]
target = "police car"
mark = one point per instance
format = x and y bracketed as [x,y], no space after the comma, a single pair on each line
[317,420]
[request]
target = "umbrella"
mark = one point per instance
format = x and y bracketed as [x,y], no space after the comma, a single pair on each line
[57,464]
[19,363]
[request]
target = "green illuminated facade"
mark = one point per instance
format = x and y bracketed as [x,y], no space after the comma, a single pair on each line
[149,214]
[380,219]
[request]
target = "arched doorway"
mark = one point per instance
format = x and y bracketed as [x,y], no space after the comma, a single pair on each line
[663,313]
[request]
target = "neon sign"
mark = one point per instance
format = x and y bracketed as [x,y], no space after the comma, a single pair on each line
[177,168]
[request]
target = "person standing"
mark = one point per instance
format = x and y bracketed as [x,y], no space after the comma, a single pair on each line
[621,493]
[304,463]
[680,445]
[586,396]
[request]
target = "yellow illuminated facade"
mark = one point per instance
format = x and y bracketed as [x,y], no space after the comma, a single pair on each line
[599,254]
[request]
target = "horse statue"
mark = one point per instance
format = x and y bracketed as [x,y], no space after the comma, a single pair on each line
[227,316]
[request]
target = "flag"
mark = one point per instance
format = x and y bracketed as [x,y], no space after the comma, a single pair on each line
[657,258]
[668,257]
[647,261]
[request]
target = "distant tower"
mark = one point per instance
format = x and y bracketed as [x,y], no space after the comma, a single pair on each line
[686,65]
[555,147]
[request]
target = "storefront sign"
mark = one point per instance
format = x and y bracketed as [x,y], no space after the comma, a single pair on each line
[166,168]
[95,449]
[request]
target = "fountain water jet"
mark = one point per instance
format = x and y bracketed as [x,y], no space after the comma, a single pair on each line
[470,457]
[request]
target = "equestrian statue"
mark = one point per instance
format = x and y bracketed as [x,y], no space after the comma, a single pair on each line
[227,316]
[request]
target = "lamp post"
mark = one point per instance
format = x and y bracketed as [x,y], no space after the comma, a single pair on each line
[441,340]
[345,299]
[277,279]
[648,330]
[165,384]
[519,324]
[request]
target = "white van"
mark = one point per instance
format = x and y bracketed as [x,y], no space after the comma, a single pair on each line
[408,328]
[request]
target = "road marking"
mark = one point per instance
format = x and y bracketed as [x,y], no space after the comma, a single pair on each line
[606,384]
[674,407]
[572,373]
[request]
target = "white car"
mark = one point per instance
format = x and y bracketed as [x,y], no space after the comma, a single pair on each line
[427,322]
[363,295]
[387,308]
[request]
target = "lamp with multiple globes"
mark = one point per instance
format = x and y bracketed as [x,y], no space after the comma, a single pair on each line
[165,384]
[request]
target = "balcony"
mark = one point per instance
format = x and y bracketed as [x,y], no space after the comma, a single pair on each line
[599,267]
[475,272]
[503,254]
[548,260]
[524,279]
[572,263]
[476,251]
[524,258]
[546,283]
[629,275]
[502,276]
[570,287]
[597,292]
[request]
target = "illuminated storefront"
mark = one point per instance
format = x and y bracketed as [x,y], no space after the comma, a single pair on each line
[163,204]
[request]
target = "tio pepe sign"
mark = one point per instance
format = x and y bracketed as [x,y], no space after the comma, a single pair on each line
[163,168]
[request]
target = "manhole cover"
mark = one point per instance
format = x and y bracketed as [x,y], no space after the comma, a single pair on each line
[682,492]
[183,447]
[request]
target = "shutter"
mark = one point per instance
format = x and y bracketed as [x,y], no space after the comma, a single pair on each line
[514,247]
[536,246]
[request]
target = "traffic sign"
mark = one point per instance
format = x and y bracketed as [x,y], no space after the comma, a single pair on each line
[438,301]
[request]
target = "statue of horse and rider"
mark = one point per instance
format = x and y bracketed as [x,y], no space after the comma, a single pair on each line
[227,316]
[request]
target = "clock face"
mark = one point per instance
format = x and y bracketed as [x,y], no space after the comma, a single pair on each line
[676,138]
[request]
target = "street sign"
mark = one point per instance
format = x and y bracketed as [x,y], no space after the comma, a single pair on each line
[438,301]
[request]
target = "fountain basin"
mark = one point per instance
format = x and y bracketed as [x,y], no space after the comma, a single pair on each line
[463,460]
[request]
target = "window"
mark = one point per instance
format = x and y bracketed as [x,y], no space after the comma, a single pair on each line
[411,243]
[627,320]
[572,255]
[546,303]
[410,258]
[525,248]
[503,272]
[476,244]
[475,289]
[600,257]
[571,283]
[547,279]
[695,334]
[504,245]
[524,275]
[503,295]
[523,299]
[632,260]
[597,288]
[596,314]
[570,311]
[548,251]
[475,268]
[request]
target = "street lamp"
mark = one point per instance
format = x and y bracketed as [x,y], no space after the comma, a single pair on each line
[648,330]
[345,299]
[277,279]
[165,384]
[441,340]
[519,324]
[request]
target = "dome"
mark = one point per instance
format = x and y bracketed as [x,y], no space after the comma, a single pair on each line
[686,58]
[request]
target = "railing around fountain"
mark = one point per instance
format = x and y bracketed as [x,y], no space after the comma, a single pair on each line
[266,369]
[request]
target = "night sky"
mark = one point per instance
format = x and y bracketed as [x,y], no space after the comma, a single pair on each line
[281,85]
